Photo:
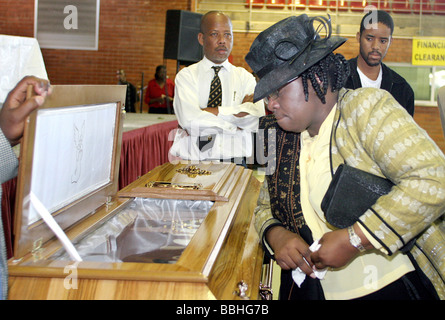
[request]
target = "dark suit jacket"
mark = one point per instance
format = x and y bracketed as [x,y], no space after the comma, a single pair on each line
[391,82]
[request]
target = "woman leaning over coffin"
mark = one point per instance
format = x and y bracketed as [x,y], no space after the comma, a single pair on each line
[318,124]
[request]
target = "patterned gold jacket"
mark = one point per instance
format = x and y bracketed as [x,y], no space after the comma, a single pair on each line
[372,132]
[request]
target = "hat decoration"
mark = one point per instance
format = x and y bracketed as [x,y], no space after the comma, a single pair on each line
[288,48]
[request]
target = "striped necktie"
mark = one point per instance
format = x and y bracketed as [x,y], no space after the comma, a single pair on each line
[215,96]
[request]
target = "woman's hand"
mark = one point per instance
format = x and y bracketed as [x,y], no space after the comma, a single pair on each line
[291,251]
[336,250]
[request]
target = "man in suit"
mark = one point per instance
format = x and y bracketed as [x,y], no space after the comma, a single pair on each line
[217,123]
[368,70]
[13,115]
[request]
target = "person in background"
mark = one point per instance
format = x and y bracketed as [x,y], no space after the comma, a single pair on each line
[131,91]
[213,100]
[13,115]
[368,70]
[160,92]
[396,249]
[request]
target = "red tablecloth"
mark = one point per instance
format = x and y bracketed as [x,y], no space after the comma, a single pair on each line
[142,150]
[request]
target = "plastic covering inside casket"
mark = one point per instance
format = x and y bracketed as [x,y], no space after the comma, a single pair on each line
[148,230]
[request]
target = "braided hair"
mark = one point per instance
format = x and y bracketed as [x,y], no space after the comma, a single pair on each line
[332,71]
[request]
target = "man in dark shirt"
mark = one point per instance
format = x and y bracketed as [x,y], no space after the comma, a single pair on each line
[131,91]
[368,70]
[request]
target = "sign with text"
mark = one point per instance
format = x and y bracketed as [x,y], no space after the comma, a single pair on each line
[428,52]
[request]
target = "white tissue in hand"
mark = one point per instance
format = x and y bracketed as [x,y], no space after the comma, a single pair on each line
[299,275]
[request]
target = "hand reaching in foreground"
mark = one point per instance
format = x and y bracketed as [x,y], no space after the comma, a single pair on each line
[18,106]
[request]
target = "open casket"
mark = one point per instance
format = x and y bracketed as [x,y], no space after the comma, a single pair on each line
[182,231]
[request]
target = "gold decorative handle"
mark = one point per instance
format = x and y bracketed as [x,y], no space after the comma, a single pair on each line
[172,185]
[193,171]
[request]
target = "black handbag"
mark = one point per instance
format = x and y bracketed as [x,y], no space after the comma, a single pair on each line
[351,192]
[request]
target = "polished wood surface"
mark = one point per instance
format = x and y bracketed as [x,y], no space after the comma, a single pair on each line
[224,251]
[241,260]
[93,289]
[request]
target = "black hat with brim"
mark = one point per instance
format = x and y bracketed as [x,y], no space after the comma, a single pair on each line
[282,52]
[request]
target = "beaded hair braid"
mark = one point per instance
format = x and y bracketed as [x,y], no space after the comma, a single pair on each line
[332,71]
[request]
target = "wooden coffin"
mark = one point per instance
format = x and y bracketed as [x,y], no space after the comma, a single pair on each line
[212,253]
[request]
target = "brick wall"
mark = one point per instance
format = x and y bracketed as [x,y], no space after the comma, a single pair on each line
[429,119]
[131,37]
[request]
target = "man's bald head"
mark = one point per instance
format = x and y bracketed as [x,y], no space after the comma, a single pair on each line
[216,36]
[206,19]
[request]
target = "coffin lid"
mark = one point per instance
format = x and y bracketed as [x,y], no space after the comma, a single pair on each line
[69,159]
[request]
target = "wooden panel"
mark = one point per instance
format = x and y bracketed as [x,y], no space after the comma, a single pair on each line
[243,257]
[54,289]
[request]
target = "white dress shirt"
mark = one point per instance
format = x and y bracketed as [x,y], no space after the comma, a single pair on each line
[233,135]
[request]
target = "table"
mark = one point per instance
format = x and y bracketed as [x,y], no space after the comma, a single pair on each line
[145,148]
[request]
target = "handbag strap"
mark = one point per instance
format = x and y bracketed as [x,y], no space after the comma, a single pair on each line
[334,132]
